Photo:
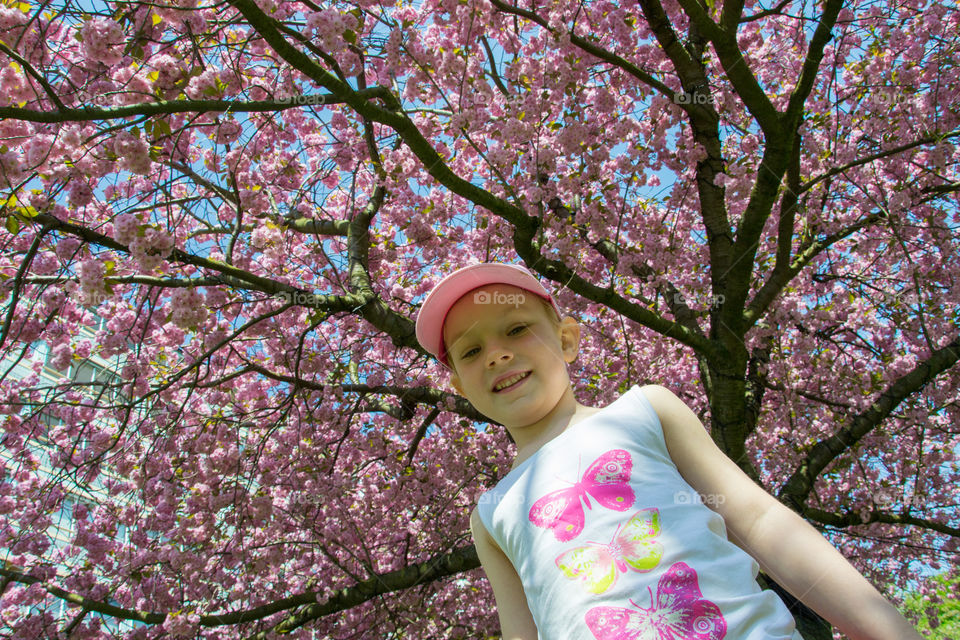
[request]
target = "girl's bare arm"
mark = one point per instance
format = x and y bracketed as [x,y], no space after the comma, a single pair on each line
[516,622]
[787,548]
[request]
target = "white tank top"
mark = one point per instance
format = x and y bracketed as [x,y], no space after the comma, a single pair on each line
[611,543]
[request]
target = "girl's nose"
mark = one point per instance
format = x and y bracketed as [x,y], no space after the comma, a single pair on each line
[498,355]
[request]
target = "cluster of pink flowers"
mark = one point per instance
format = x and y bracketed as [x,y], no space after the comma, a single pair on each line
[134,153]
[91,275]
[60,357]
[11,19]
[125,228]
[81,193]
[169,72]
[182,624]
[151,248]
[187,309]
[330,26]
[103,41]
[14,88]
[136,88]
[53,298]
[227,132]
[11,165]
[213,83]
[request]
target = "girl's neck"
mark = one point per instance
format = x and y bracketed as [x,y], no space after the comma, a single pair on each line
[529,439]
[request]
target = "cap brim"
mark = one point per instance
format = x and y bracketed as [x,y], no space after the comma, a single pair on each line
[434,310]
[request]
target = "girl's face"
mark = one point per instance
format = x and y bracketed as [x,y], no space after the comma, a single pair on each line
[510,358]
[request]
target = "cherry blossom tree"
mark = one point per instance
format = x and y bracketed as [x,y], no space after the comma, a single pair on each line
[220,220]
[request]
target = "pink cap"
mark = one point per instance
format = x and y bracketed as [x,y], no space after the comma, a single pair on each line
[434,310]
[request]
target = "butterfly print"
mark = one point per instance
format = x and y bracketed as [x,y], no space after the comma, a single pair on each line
[607,481]
[679,612]
[633,546]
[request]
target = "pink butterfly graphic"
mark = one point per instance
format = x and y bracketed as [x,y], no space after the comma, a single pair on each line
[607,480]
[678,613]
[632,547]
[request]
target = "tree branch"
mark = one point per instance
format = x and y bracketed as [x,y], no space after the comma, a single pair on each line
[167,107]
[735,66]
[705,122]
[798,487]
[767,12]
[36,75]
[18,281]
[811,65]
[457,561]
[781,276]
[83,601]
[809,184]
[593,49]
[524,225]
[441,566]
[853,518]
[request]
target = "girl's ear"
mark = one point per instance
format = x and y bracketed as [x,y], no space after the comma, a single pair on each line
[455,383]
[569,338]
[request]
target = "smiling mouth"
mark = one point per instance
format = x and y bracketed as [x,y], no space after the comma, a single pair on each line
[509,382]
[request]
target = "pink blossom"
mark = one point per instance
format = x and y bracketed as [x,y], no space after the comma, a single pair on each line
[81,193]
[60,357]
[102,41]
[187,308]
[125,228]
[151,248]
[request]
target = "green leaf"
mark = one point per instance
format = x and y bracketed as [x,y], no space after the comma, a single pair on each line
[13,225]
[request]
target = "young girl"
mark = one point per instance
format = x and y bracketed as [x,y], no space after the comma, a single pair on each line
[612,523]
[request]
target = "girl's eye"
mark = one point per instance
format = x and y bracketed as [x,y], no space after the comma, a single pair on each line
[516,330]
[468,353]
